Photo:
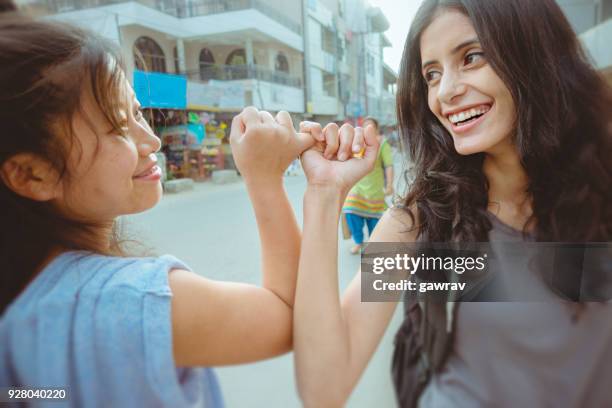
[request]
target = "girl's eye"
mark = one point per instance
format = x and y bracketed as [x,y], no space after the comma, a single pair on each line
[138,114]
[431,76]
[473,57]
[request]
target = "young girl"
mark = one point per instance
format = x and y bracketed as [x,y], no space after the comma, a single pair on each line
[77,312]
[510,131]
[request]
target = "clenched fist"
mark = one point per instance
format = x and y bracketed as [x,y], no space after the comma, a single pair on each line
[333,161]
[264,146]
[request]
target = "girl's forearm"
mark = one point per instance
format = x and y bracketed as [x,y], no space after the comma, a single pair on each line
[321,341]
[279,235]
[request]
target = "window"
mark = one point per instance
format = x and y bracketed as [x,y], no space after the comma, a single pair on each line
[148,55]
[328,40]
[236,65]
[236,57]
[370,64]
[282,64]
[207,65]
[341,48]
[329,84]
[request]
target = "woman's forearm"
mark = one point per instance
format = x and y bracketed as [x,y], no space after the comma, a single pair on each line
[321,341]
[279,235]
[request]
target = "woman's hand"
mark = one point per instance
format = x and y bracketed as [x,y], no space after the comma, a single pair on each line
[264,146]
[331,162]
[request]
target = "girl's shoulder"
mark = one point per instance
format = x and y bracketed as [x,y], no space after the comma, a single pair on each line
[90,319]
[77,275]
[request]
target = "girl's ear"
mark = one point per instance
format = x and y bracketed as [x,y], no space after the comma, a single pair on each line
[31,176]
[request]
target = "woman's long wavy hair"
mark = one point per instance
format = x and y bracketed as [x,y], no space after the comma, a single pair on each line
[44,69]
[562,130]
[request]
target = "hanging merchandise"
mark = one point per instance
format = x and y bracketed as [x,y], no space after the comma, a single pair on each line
[194,117]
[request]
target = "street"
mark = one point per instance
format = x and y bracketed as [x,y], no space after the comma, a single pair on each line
[213,230]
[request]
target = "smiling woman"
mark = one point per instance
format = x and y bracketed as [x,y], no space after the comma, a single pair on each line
[509,129]
[464,92]
[504,105]
[508,125]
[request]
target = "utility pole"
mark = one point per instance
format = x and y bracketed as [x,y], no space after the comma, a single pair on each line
[306,59]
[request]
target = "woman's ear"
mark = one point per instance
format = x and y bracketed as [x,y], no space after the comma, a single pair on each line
[31,176]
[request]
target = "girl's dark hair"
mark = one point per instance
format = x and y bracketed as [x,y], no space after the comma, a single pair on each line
[45,68]
[563,127]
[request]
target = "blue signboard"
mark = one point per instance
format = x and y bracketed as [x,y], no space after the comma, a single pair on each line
[355,109]
[164,91]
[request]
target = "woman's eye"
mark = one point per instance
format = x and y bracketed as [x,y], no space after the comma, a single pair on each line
[431,76]
[473,57]
[138,114]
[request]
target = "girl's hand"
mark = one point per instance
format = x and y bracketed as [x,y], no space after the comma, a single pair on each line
[264,146]
[332,162]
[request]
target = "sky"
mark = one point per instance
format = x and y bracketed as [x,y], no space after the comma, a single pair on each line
[400,14]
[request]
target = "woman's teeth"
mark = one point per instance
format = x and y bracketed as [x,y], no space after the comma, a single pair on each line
[468,114]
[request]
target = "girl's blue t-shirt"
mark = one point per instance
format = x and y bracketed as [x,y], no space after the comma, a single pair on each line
[100,327]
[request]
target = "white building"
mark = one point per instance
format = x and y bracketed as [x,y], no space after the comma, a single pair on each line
[371,83]
[253,46]
[344,55]
[323,43]
[592,21]
[322,59]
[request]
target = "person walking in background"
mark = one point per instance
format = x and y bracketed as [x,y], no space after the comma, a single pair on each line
[365,203]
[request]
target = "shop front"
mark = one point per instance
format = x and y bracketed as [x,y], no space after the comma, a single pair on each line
[195,139]
[216,103]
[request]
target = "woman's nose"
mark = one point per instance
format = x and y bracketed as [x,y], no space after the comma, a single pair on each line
[450,87]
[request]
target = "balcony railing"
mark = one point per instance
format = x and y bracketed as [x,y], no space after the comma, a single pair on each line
[238,72]
[184,8]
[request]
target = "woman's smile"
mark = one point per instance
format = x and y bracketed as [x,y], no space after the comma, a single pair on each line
[467,119]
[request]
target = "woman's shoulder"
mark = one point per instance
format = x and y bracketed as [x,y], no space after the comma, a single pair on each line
[398,224]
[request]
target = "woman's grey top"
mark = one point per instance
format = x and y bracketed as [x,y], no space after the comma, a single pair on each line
[526,354]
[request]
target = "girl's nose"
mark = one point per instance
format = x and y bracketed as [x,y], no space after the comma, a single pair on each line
[148,143]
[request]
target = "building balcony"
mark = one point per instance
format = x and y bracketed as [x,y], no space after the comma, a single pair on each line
[241,72]
[181,8]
